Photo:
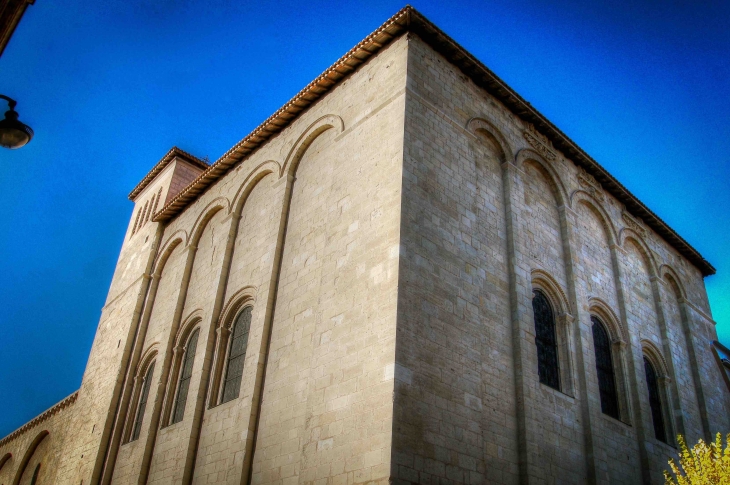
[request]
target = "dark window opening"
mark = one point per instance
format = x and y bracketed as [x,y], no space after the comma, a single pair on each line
[655,401]
[604,369]
[547,343]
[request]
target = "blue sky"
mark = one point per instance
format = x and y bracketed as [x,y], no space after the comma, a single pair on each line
[110,86]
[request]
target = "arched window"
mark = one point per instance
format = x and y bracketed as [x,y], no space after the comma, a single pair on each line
[655,401]
[604,369]
[186,373]
[547,344]
[37,470]
[142,402]
[236,355]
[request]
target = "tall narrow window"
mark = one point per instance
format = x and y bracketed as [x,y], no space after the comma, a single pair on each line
[655,402]
[604,369]
[547,344]
[185,373]
[236,356]
[142,402]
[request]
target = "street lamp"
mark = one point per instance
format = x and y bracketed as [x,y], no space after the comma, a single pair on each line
[13,133]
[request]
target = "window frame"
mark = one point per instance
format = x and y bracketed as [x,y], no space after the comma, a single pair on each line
[147,376]
[659,399]
[597,323]
[180,362]
[230,336]
[543,378]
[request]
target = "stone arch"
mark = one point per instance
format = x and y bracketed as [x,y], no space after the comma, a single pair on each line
[252,179]
[477,125]
[188,325]
[216,205]
[608,317]
[619,336]
[172,242]
[6,457]
[543,281]
[527,155]
[145,360]
[29,454]
[628,235]
[191,323]
[671,277]
[246,295]
[655,356]
[583,197]
[308,136]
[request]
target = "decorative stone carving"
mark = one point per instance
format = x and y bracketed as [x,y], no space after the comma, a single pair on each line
[633,224]
[590,184]
[539,142]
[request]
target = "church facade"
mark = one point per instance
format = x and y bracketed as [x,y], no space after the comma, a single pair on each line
[406,274]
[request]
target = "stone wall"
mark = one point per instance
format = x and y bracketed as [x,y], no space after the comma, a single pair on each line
[491,212]
[388,242]
[36,448]
[306,233]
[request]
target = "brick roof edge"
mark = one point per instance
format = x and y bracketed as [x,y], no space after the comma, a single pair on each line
[40,418]
[160,166]
[409,19]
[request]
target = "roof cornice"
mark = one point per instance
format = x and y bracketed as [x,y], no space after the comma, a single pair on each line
[40,418]
[409,19]
[164,162]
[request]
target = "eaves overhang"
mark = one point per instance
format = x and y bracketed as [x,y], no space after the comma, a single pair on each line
[409,19]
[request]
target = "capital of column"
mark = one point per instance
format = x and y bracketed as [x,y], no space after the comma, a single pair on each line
[621,344]
[566,319]
[664,379]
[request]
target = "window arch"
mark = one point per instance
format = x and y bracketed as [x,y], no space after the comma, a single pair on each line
[186,373]
[236,355]
[546,340]
[604,369]
[655,401]
[142,404]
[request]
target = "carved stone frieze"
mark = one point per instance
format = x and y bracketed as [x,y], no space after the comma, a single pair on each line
[591,185]
[539,142]
[633,224]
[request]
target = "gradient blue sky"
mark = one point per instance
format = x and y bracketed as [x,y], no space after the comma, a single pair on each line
[110,86]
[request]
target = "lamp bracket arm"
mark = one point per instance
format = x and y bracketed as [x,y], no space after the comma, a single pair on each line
[11,101]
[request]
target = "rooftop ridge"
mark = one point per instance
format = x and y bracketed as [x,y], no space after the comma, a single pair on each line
[408,19]
[64,403]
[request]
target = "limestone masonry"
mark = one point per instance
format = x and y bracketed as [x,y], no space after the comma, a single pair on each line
[405,275]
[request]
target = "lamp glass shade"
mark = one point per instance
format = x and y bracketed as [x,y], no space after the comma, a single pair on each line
[13,133]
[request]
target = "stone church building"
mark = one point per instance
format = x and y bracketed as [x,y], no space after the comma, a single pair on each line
[406,274]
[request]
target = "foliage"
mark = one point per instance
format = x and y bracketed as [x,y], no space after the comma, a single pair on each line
[702,465]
